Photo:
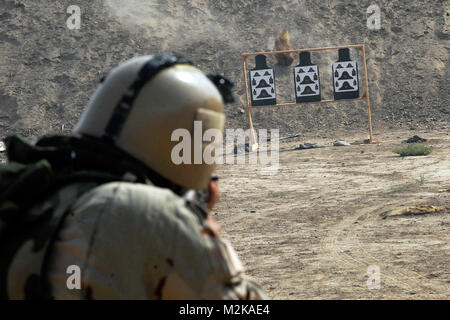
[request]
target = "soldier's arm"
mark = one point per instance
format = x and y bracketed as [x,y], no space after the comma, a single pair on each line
[225,280]
[202,265]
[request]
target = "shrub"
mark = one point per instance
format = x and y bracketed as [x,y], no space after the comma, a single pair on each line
[413,150]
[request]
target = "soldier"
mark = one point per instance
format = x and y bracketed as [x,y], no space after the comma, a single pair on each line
[119,214]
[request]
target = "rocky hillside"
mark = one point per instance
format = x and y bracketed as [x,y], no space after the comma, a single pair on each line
[48,71]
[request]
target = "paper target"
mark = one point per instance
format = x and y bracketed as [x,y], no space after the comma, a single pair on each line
[306,80]
[345,77]
[262,83]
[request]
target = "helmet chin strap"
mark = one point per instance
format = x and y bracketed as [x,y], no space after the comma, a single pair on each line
[123,108]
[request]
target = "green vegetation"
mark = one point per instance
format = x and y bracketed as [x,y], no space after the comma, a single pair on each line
[413,150]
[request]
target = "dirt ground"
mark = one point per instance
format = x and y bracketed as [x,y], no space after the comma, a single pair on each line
[311,230]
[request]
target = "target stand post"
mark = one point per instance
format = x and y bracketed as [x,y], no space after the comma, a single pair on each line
[253,143]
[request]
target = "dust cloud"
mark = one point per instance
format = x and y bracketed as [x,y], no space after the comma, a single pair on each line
[177,23]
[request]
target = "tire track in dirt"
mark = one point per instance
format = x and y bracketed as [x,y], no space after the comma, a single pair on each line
[344,235]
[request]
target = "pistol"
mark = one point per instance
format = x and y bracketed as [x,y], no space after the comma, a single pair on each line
[200,196]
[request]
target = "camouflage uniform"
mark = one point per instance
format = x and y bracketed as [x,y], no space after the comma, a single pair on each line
[136,241]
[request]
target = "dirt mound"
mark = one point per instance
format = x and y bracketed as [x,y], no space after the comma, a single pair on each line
[48,71]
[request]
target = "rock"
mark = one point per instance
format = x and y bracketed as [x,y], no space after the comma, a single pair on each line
[309,146]
[415,139]
[340,143]
[2,146]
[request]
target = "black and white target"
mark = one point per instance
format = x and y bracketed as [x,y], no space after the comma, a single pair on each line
[345,77]
[306,80]
[262,83]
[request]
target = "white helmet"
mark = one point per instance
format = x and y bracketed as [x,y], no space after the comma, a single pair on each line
[142,101]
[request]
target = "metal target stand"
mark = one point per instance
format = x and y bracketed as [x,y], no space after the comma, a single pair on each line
[364,96]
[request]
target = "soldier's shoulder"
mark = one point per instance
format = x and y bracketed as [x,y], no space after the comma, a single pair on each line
[125,198]
[133,194]
[134,191]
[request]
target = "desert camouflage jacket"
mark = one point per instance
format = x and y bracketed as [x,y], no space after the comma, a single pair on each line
[134,241]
